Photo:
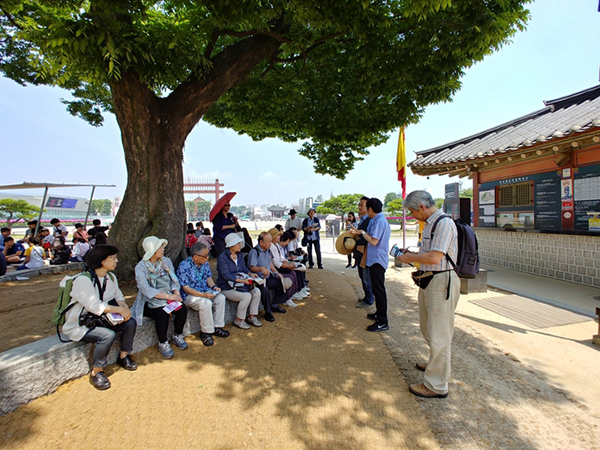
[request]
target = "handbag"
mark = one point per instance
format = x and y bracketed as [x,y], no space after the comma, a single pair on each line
[422,278]
[304,241]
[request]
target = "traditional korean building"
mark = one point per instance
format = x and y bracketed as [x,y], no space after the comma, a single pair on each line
[537,176]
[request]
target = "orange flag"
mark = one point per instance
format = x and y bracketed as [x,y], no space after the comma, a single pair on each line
[401,162]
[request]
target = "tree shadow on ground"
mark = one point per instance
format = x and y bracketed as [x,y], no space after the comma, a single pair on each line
[494,401]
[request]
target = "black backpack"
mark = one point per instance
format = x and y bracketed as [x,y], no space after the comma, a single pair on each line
[467,261]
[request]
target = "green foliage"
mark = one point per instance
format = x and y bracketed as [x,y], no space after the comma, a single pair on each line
[395,207]
[388,198]
[340,204]
[203,208]
[102,207]
[439,202]
[17,209]
[466,193]
[346,74]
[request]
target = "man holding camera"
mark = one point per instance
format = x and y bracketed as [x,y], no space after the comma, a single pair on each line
[439,296]
[377,236]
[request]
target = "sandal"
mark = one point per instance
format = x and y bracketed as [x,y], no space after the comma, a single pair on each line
[206,339]
[220,332]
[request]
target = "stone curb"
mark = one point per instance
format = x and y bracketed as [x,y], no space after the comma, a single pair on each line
[12,276]
[38,368]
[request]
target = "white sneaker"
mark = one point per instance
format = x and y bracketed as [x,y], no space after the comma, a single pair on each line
[290,303]
[296,297]
[241,324]
[305,292]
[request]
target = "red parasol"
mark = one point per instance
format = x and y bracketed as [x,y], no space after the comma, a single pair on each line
[219,205]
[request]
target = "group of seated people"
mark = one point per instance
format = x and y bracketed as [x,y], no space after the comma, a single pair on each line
[272,273]
[31,251]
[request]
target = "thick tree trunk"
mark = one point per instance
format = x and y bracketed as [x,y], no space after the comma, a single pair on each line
[153,204]
[153,132]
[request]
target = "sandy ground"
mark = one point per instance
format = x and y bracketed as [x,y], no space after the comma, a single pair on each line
[315,379]
[312,379]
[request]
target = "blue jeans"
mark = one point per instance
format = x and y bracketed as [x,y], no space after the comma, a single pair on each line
[104,338]
[365,278]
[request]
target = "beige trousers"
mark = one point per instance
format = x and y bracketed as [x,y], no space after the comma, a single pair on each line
[244,299]
[436,316]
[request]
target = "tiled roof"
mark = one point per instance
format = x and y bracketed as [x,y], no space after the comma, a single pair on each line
[559,118]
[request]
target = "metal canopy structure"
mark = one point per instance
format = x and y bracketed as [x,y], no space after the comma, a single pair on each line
[46,186]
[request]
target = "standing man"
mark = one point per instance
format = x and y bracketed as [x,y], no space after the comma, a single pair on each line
[438,299]
[378,245]
[311,227]
[293,222]
[359,250]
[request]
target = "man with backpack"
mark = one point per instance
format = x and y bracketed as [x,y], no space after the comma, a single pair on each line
[439,291]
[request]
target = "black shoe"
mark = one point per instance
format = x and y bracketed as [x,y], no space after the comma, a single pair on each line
[378,327]
[269,317]
[100,381]
[354,266]
[311,266]
[220,332]
[362,304]
[127,363]
[206,339]
[277,309]
[372,316]
[320,267]
[349,265]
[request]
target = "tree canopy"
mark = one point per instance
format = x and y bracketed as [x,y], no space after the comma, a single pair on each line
[337,78]
[17,209]
[340,204]
[388,198]
[466,193]
[102,207]
[395,206]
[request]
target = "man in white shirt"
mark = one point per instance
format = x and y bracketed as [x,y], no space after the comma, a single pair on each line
[293,222]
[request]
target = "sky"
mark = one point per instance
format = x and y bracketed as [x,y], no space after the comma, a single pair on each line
[557,55]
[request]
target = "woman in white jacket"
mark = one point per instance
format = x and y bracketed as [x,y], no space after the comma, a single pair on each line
[97,292]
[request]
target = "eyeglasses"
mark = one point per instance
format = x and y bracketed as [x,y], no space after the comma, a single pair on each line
[201,256]
[227,204]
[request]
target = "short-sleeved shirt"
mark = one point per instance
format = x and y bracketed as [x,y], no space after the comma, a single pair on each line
[189,274]
[445,240]
[59,230]
[18,247]
[379,229]
[258,257]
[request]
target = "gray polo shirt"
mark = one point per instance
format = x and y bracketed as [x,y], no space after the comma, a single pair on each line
[260,258]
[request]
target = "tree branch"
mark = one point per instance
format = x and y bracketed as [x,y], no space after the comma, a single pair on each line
[10,19]
[211,44]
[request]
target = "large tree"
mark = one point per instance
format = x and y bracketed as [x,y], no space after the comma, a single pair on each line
[340,204]
[12,210]
[337,76]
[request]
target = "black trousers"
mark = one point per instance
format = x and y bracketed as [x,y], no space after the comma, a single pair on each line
[161,320]
[317,245]
[219,245]
[377,272]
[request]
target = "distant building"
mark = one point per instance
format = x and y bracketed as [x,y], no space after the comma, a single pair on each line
[277,212]
[305,204]
[63,208]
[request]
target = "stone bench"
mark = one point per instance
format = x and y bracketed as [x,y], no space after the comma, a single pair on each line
[38,368]
[477,284]
[12,276]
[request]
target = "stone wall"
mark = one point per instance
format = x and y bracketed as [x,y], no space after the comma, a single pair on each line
[563,257]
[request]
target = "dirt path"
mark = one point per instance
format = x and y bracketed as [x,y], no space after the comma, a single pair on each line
[496,401]
[314,379]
